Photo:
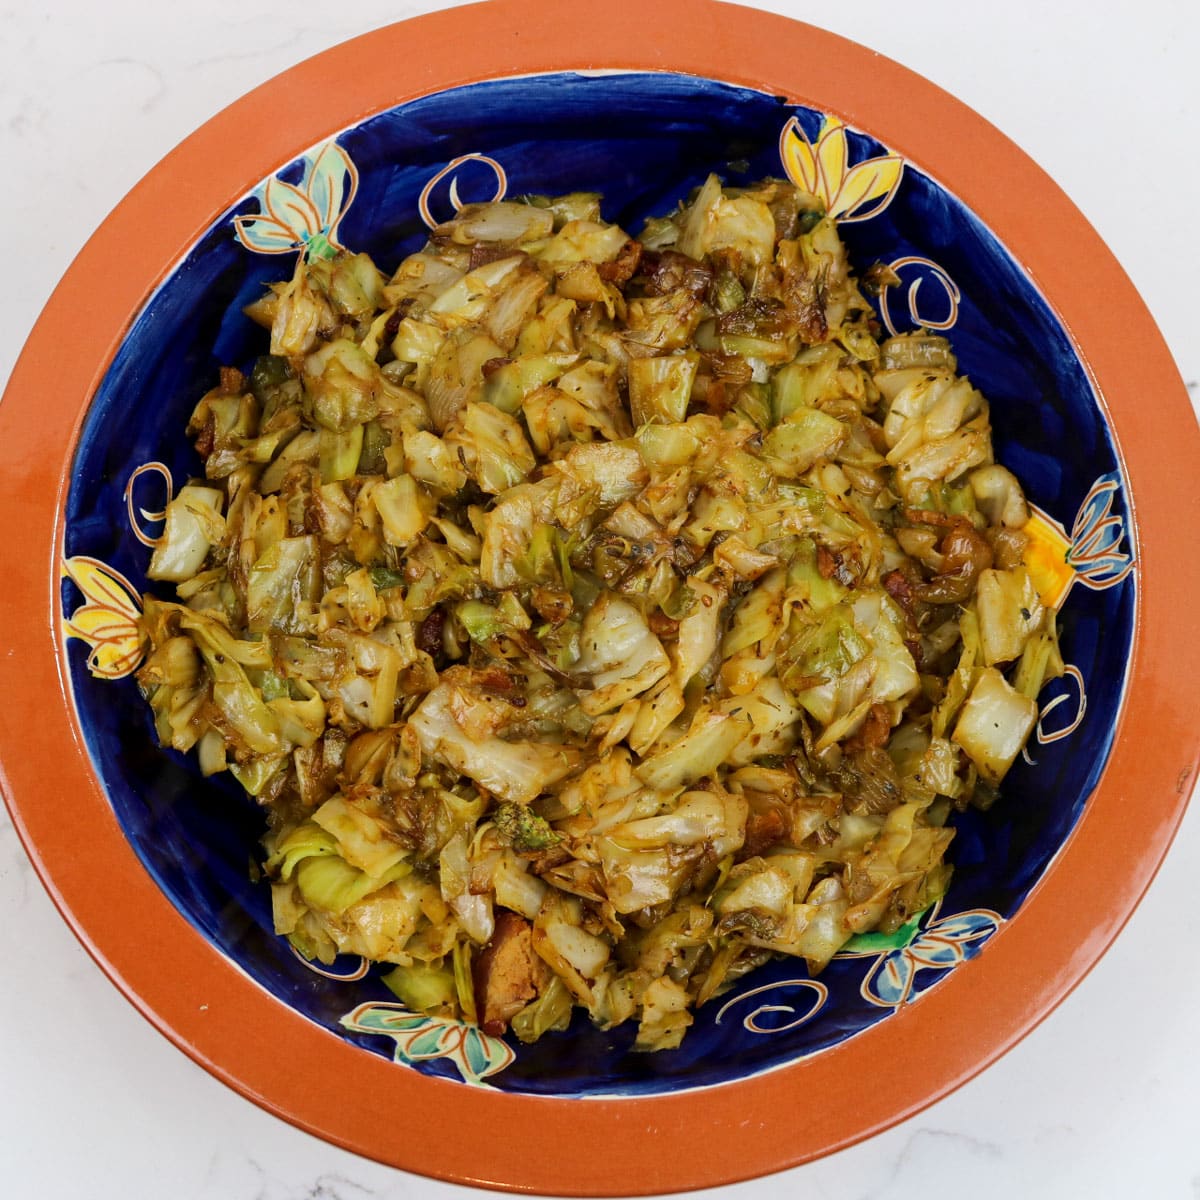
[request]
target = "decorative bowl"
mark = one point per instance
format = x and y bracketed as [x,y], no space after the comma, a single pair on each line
[149,862]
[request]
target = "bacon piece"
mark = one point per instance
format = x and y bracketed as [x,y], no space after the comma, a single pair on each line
[831,564]
[927,516]
[391,326]
[663,627]
[483,253]
[914,647]
[233,382]
[429,632]
[508,975]
[900,588]
[873,732]
[206,438]
[763,830]
[492,365]
[493,678]
[624,267]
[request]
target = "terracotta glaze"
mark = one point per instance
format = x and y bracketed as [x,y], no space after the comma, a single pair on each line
[150,870]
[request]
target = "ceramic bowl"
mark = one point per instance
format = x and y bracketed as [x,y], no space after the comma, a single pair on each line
[150,862]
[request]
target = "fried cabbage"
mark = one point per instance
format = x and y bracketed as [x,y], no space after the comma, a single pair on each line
[596,617]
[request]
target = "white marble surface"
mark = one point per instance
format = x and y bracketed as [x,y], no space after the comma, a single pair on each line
[1102,1100]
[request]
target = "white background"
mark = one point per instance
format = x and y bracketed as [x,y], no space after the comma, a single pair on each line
[1102,1100]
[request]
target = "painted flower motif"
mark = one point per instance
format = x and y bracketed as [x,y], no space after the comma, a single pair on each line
[164,474]
[108,621]
[849,193]
[1092,554]
[419,1037]
[940,945]
[304,216]
[352,976]
[479,166]
[817,995]
[912,271]
[1044,736]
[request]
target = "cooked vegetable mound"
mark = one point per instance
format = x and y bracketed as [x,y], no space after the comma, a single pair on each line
[596,618]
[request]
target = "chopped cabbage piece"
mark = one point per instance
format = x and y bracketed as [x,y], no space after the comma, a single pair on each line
[514,771]
[193,526]
[994,724]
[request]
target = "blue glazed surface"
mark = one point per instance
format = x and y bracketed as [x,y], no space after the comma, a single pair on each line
[644,141]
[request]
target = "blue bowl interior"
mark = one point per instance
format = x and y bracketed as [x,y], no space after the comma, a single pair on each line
[644,141]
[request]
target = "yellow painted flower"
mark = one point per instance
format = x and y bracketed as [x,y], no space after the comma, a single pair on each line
[1046,557]
[109,621]
[1093,553]
[849,193]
